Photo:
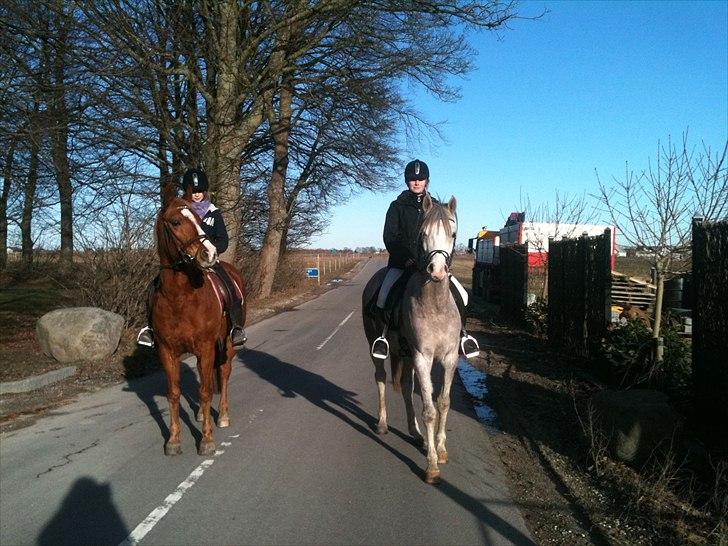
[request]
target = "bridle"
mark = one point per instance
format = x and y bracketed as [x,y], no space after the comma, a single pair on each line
[423,260]
[185,257]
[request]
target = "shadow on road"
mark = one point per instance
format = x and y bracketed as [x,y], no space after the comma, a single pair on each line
[293,381]
[150,388]
[87,515]
[492,523]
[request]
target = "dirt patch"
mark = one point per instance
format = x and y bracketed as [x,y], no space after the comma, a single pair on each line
[538,398]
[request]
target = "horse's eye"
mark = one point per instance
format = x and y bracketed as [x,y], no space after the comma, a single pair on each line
[175,223]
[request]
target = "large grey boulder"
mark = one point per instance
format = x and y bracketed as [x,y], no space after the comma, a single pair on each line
[636,424]
[79,333]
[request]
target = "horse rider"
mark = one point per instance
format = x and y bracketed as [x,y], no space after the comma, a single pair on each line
[195,186]
[401,236]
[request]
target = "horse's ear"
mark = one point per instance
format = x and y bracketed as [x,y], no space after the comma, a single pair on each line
[452,204]
[169,192]
[427,202]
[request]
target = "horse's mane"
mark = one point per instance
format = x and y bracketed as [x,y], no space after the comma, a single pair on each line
[437,213]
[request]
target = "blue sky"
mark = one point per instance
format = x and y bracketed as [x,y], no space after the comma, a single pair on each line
[591,85]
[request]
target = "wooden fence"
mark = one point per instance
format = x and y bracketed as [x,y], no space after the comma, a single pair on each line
[513,280]
[710,327]
[579,285]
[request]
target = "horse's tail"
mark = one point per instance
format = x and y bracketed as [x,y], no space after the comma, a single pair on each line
[217,369]
[396,362]
[216,380]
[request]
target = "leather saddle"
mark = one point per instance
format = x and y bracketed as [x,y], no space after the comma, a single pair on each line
[225,294]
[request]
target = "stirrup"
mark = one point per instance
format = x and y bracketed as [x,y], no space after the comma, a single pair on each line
[380,353]
[472,352]
[240,342]
[145,337]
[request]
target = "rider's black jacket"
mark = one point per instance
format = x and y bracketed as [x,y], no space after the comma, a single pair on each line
[401,228]
[214,227]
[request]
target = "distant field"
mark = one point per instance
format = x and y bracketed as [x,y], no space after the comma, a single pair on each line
[462,268]
[639,268]
[34,301]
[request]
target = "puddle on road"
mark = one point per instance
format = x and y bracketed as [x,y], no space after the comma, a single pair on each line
[475,383]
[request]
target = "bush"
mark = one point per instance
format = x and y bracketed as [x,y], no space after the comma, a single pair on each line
[629,363]
[536,316]
[117,280]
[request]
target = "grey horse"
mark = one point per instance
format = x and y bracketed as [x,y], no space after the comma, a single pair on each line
[430,327]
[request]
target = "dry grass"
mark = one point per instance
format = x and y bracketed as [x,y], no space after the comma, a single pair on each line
[291,278]
[462,268]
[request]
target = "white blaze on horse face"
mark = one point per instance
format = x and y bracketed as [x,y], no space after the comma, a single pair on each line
[438,240]
[211,250]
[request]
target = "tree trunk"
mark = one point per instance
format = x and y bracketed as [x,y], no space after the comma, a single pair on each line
[277,203]
[29,193]
[228,133]
[657,346]
[59,138]
[7,177]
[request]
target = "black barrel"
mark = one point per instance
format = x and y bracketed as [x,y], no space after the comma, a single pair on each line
[673,298]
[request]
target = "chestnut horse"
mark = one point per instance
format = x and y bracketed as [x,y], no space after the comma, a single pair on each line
[430,329]
[188,317]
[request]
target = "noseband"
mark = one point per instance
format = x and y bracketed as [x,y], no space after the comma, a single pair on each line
[424,260]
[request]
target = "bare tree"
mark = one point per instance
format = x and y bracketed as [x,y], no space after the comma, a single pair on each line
[566,216]
[123,85]
[58,26]
[340,65]
[29,190]
[7,170]
[653,208]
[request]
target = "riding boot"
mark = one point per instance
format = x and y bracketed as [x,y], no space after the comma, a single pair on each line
[380,347]
[468,344]
[145,336]
[237,333]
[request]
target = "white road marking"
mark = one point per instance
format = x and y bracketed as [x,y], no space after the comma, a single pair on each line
[332,334]
[160,511]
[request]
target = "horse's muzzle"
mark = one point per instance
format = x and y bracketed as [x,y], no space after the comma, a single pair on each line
[205,258]
[437,274]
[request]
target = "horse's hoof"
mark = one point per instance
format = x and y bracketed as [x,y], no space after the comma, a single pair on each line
[432,477]
[206,448]
[442,457]
[172,449]
[382,429]
[223,422]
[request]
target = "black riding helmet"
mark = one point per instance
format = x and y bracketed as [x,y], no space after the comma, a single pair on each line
[196,179]
[416,170]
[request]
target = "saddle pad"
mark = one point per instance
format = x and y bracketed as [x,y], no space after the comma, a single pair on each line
[223,297]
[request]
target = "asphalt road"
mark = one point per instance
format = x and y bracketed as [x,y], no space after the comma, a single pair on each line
[299,464]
